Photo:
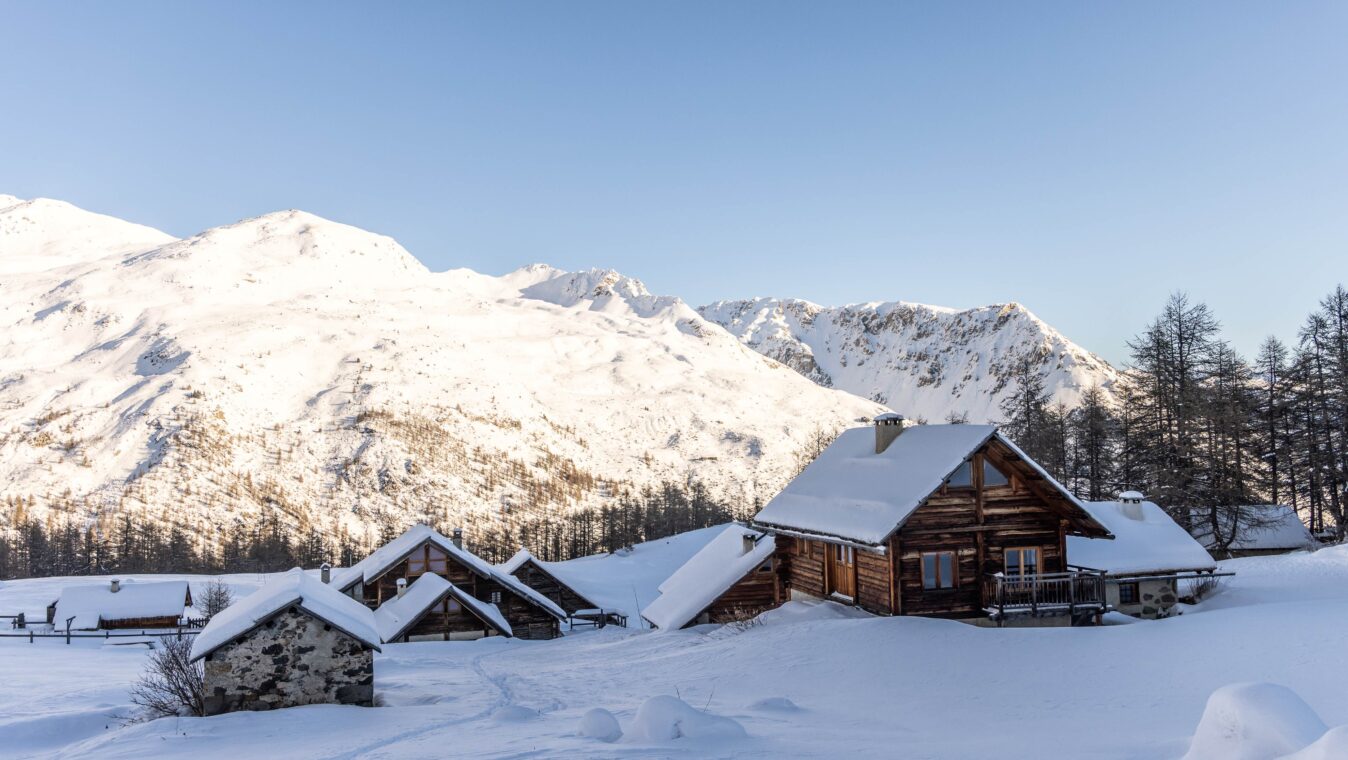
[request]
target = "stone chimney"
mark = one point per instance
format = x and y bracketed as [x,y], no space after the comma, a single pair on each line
[325,573]
[115,585]
[888,426]
[402,587]
[458,537]
[749,542]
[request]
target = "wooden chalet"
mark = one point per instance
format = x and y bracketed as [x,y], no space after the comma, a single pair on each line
[938,520]
[543,578]
[432,609]
[422,550]
[119,605]
[734,577]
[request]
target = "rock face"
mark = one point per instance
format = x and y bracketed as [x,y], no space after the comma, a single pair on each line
[921,361]
[293,659]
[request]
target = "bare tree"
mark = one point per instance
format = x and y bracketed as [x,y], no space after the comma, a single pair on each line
[215,599]
[172,685]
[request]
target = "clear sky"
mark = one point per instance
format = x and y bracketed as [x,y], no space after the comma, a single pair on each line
[1084,159]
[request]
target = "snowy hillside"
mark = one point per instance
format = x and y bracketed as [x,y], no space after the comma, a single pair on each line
[294,363]
[921,361]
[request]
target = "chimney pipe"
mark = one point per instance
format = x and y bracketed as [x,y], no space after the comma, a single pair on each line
[402,587]
[458,537]
[888,426]
[325,573]
[749,542]
[115,586]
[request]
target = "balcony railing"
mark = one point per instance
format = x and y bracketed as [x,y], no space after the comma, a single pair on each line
[1044,594]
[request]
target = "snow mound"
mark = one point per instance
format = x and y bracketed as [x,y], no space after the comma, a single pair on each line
[809,612]
[665,718]
[600,724]
[1332,746]
[774,704]
[1254,721]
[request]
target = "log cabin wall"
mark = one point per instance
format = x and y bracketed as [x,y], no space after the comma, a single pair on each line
[538,580]
[761,589]
[801,565]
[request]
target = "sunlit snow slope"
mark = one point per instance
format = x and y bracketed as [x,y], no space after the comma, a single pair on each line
[922,361]
[289,362]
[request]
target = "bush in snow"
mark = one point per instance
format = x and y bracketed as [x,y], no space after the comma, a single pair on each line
[1254,721]
[173,684]
[215,599]
[663,718]
[600,724]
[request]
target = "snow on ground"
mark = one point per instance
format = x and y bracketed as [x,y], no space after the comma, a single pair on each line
[813,680]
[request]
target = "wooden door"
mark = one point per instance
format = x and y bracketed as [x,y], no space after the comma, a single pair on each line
[842,571]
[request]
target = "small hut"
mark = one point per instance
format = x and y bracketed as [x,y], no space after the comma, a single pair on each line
[546,579]
[1150,560]
[295,641]
[120,604]
[433,609]
[732,578]
[1252,530]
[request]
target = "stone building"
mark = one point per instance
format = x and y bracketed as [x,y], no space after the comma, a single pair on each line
[1151,565]
[295,641]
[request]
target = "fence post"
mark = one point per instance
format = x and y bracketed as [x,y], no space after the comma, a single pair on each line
[30,635]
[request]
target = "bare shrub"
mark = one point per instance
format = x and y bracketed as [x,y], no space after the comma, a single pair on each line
[172,684]
[215,599]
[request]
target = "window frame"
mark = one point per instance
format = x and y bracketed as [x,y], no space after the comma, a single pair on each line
[1136,590]
[954,570]
[1038,560]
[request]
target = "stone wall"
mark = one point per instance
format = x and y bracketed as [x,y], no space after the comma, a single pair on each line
[293,659]
[1156,598]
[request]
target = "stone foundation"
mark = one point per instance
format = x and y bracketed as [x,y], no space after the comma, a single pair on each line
[293,659]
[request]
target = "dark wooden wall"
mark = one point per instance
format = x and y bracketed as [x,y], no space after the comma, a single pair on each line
[528,620]
[756,592]
[438,621]
[544,583]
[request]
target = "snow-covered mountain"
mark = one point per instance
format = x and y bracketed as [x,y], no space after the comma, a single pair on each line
[293,363]
[922,361]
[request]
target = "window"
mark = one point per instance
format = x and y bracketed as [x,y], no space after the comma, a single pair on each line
[1128,593]
[1025,560]
[496,597]
[963,477]
[450,605]
[844,555]
[938,570]
[993,476]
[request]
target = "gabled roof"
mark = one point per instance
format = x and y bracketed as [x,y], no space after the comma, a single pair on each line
[1259,527]
[708,574]
[397,615]
[296,588]
[555,571]
[89,604]
[852,493]
[1146,541]
[384,558]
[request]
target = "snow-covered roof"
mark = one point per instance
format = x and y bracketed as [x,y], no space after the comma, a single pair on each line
[1146,540]
[558,570]
[381,560]
[93,602]
[710,573]
[851,492]
[516,561]
[315,597]
[394,617]
[1259,527]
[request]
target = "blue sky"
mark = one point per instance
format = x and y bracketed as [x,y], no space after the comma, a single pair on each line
[1084,159]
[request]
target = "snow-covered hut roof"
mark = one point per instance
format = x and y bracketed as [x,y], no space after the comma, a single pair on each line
[517,560]
[319,599]
[711,572]
[1259,527]
[852,493]
[395,616]
[557,570]
[395,551]
[89,604]
[1146,541]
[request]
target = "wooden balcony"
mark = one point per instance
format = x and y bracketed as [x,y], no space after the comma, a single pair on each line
[1079,594]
